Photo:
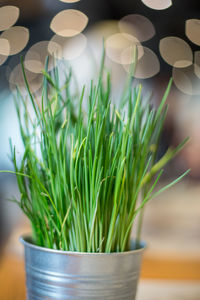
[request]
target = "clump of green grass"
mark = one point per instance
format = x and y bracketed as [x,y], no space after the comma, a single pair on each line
[81,173]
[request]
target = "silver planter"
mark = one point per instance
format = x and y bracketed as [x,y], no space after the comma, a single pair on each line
[63,275]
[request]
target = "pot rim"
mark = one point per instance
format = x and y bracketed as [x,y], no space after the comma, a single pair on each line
[26,241]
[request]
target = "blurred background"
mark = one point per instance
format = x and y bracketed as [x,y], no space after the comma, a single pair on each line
[167,34]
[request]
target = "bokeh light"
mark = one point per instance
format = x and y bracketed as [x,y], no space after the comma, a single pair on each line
[17,37]
[69,22]
[138,26]
[176,52]
[8,16]
[186,80]
[16,79]
[4,47]
[4,50]
[197,63]
[147,66]
[157,4]
[192,30]
[36,57]
[182,81]
[67,48]
[117,43]
[128,55]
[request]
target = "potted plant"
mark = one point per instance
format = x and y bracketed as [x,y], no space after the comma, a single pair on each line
[81,177]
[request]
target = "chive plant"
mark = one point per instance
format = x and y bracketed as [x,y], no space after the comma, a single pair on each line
[82,171]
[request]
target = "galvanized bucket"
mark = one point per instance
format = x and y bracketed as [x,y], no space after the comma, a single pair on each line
[63,275]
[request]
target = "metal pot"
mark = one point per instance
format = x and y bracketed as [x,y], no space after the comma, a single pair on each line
[54,274]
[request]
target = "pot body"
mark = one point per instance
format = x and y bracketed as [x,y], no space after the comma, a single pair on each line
[63,275]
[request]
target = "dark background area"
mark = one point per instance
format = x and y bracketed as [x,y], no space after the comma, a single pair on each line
[37,15]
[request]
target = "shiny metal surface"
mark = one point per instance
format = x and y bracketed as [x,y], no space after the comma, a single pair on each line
[52,274]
